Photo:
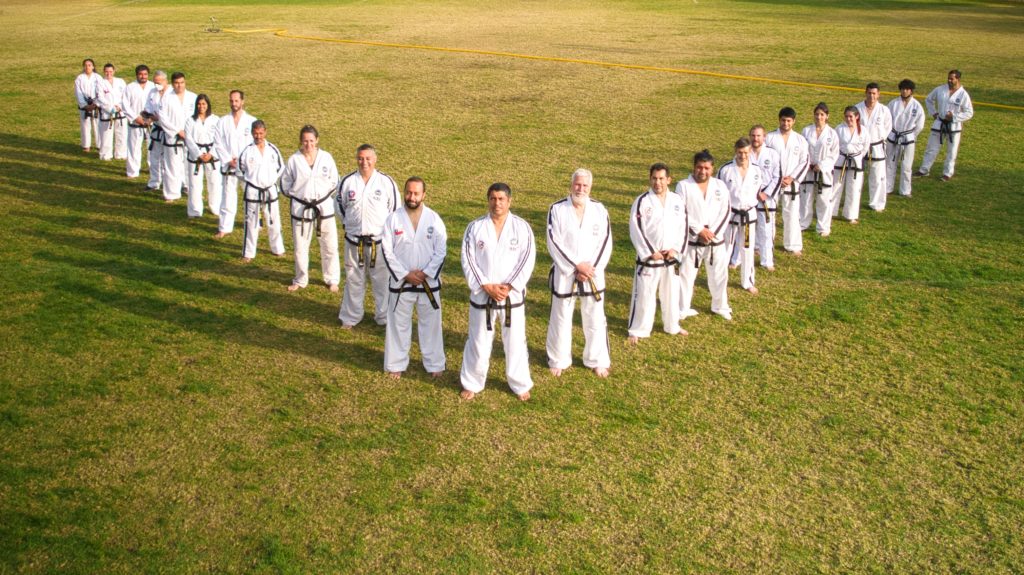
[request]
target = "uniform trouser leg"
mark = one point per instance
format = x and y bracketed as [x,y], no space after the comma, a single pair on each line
[302,235]
[906,169]
[105,140]
[718,278]
[251,231]
[743,253]
[890,165]
[228,205]
[379,285]
[329,263]
[952,149]
[272,214]
[689,267]
[852,186]
[876,183]
[559,340]
[156,162]
[476,356]
[214,187]
[133,164]
[120,139]
[174,171]
[194,206]
[351,311]
[791,238]
[825,205]
[89,126]
[398,334]
[806,205]
[766,237]
[931,151]
[646,284]
[596,351]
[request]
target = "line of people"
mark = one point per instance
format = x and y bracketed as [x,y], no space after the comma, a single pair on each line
[397,244]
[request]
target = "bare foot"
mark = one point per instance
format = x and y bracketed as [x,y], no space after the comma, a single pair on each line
[770,268]
[467,394]
[280,255]
[436,374]
[395,374]
[632,340]
[753,290]
[683,332]
[733,266]
[333,288]
[294,287]
[797,254]
[524,396]
[601,372]
[169,201]
[557,372]
[246,260]
[346,326]
[219,235]
[854,222]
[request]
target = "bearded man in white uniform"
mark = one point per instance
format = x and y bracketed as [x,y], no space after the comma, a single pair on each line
[310,180]
[133,106]
[365,198]
[260,166]
[707,217]
[154,104]
[657,230]
[876,120]
[175,109]
[113,124]
[579,239]
[794,162]
[498,255]
[744,181]
[767,198]
[907,123]
[950,106]
[233,134]
[414,246]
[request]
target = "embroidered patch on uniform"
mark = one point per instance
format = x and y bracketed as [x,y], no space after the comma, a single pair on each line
[376,193]
[513,242]
[480,245]
[351,194]
[398,232]
[597,229]
[324,170]
[648,212]
[430,230]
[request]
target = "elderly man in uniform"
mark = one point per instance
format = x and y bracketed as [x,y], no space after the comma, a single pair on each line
[579,240]
[365,198]
[414,247]
[498,256]
[950,106]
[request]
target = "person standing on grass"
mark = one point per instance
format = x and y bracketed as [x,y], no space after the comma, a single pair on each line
[174,110]
[657,229]
[133,106]
[112,123]
[365,198]
[907,123]
[849,168]
[794,163]
[233,134]
[767,198]
[260,166]
[579,239]
[154,102]
[86,88]
[950,106]
[876,121]
[310,179]
[816,190]
[200,128]
[414,246]
[744,181]
[498,256]
[707,217]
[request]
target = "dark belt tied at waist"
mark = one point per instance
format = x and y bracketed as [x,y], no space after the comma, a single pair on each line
[492,306]
[307,207]
[361,243]
[742,219]
[155,135]
[198,162]
[422,288]
[696,256]
[945,131]
[262,198]
[792,192]
[871,151]
[900,143]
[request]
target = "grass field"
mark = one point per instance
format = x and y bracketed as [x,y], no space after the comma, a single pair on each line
[165,408]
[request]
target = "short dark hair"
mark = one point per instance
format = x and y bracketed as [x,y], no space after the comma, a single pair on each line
[955,72]
[209,106]
[499,187]
[258,124]
[89,60]
[703,156]
[240,93]
[657,167]
[140,68]
[907,84]
[787,112]
[743,142]
[422,183]
[871,86]
[309,129]
[108,65]
[822,106]
[364,147]
[177,76]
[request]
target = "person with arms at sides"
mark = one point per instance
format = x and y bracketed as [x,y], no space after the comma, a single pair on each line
[767,198]
[950,106]
[849,169]
[744,181]
[907,123]
[234,133]
[876,123]
[200,128]
[260,167]
[823,150]
[795,161]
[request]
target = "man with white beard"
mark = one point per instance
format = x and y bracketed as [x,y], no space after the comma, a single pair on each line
[579,239]
[950,106]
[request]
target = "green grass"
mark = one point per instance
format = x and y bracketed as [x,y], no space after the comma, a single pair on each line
[165,408]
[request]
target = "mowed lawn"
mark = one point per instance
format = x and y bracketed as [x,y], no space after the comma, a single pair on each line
[165,408]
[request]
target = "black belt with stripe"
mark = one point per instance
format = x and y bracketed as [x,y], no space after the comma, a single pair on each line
[424,288]
[362,242]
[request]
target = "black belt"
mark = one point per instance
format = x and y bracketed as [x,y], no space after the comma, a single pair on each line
[263,197]
[314,207]
[577,289]
[205,148]
[792,191]
[945,131]
[362,242]
[110,121]
[423,288]
[849,163]
[90,109]
[662,263]
[743,220]
[177,143]
[155,135]
[696,257]
[819,183]
[871,148]
[493,306]
[895,139]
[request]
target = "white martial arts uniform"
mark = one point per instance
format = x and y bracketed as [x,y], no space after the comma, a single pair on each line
[404,249]
[742,224]
[132,106]
[816,190]
[491,259]
[229,140]
[363,207]
[656,227]
[112,122]
[199,135]
[794,161]
[174,111]
[849,171]
[86,89]
[907,123]
[572,241]
[768,160]
[260,170]
[311,191]
[940,102]
[154,103]
[876,126]
[709,211]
